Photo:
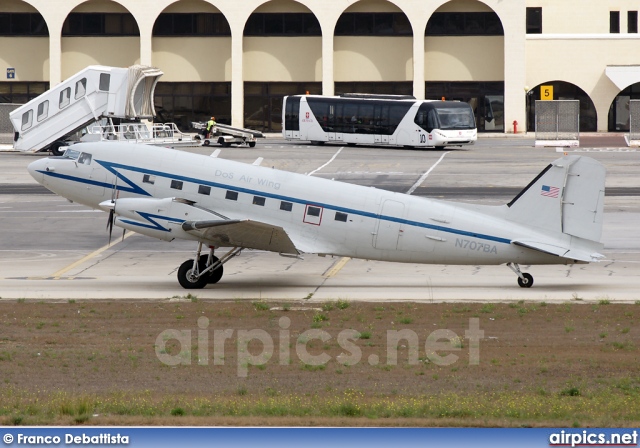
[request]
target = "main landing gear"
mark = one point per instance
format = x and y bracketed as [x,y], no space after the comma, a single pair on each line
[208,269]
[525,280]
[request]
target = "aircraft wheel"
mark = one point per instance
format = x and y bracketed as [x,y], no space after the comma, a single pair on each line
[187,280]
[527,282]
[215,275]
[55,148]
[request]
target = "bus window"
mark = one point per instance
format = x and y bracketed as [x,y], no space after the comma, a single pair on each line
[456,118]
[365,115]
[396,114]
[320,109]
[292,114]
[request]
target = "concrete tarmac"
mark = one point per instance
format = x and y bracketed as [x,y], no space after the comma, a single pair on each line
[52,249]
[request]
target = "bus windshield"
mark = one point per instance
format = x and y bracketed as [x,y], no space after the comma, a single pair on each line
[456,118]
[445,115]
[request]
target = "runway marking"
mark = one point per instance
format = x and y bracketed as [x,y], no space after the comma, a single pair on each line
[424,176]
[56,275]
[337,267]
[597,150]
[330,160]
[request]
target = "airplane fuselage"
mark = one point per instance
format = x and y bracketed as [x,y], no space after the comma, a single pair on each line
[320,216]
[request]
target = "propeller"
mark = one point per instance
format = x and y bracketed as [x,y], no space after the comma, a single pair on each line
[112,211]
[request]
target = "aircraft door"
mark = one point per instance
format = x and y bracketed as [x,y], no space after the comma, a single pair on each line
[389,228]
[98,178]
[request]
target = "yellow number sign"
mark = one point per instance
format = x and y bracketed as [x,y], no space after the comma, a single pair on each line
[546,92]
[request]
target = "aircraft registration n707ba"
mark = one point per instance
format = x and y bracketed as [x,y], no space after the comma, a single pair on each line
[168,194]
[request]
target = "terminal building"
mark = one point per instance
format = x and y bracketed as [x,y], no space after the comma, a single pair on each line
[236,59]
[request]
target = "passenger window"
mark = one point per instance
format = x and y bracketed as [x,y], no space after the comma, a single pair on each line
[176,184]
[258,200]
[286,206]
[81,88]
[43,110]
[65,98]
[231,195]
[203,189]
[313,211]
[149,179]
[341,216]
[27,119]
[84,158]
[105,79]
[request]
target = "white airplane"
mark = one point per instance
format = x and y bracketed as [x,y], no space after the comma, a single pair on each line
[168,194]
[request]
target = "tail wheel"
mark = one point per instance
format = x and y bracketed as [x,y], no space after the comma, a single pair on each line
[526,281]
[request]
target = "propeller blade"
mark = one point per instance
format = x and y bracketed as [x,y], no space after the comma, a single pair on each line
[110,223]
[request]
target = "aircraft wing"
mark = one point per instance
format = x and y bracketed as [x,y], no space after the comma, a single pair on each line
[578,254]
[242,233]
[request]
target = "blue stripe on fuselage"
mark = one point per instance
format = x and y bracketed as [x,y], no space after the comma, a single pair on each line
[112,167]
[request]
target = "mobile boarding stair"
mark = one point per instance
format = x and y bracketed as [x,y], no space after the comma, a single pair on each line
[228,135]
[91,94]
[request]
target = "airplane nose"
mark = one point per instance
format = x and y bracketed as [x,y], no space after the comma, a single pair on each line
[36,168]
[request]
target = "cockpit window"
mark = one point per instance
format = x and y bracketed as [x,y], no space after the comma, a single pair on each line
[71,154]
[84,158]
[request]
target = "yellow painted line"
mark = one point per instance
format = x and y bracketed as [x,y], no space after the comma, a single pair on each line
[336,267]
[88,257]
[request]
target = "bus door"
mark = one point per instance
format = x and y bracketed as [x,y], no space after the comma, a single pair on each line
[381,123]
[336,120]
[292,117]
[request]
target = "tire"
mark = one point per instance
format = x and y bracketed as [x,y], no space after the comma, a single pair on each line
[252,144]
[215,275]
[439,148]
[527,282]
[55,148]
[351,144]
[313,142]
[206,143]
[184,279]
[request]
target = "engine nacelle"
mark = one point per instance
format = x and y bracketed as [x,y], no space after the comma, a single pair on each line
[157,218]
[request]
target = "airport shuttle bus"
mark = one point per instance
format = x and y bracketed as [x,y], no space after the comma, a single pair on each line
[393,120]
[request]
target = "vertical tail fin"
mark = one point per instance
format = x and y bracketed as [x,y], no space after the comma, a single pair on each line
[567,197]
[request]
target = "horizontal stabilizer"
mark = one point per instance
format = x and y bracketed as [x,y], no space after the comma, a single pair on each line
[560,251]
[242,233]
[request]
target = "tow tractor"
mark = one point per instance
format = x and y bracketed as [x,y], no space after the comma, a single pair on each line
[228,135]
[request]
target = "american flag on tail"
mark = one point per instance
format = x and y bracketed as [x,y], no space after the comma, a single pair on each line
[550,192]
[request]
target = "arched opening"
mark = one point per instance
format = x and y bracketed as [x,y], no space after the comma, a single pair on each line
[619,119]
[464,60]
[373,49]
[23,31]
[192,46]
[99,32]
[563,91]
[282,51]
